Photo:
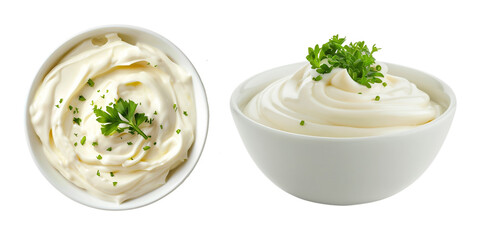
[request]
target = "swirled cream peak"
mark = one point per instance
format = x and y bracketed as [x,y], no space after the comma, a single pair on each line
[98,72]
[337,106]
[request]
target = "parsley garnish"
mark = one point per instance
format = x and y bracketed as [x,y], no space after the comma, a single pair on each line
[355,57]
[81,98]
[302,123]
[161,126]
[377,98]
[146,148]
[77,120]
[61,100]
[70,107]
[98,173]
[114,184]
[129,143]
[175,107]
[90,82]
[99,157]
[185,113]
[83,140]
[111,174]
[94,144]
[109,149]
[178,131]
[112,118]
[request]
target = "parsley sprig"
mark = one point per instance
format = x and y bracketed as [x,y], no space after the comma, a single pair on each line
[355,57]
[112,118]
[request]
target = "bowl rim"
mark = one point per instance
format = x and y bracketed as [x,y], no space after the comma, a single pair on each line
[200,141]
[236,95]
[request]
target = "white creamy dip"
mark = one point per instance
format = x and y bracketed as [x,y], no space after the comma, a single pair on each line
[338,106]
[120,166]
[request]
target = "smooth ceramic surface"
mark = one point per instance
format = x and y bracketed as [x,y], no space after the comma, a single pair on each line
[130,34]
[343,171]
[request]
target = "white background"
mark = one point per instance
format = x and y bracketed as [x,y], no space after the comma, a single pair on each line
[226,196]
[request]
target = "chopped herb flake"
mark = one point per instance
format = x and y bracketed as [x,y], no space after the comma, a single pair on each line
[161,126]
[175,107]
[90,82]
[178,131]
[83,140]
[70,107]
[98,173]
[99,157]
[111,174]
[81,98]
[75,144]
[109,149]
[61,100]
[94,143]
[302,123]
[57,106]
[114,184]
[146,148]
[185,113]
[129,143]
[77,120]
[377,98]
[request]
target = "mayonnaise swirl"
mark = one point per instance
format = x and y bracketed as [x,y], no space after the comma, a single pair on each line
[115,168]
[337,106]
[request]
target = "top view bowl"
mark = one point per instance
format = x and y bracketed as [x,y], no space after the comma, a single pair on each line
[131,35]
[347,170]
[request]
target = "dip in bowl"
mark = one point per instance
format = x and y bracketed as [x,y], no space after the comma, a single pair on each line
[117,117]
[343,170]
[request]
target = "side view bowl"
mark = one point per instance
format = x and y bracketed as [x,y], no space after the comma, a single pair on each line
[129,34]
[343,171]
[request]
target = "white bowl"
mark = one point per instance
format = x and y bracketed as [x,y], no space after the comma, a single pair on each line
[343,171]
[179,175]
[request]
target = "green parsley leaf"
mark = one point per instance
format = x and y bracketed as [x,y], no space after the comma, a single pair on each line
[185,113]
[129,143]
[114,184]
[75,144]
[302,123]
[77,120]
[90,82]
[355,57]
[99,157]
[94,144]
[112,118]
[81,98]
[57,106]
[146,148]
[175,107]
[161,126]
[111,174]
[61,100]
[98,173]
[70,107]
[178,131]
[377,98]
[109,149]
[83,140]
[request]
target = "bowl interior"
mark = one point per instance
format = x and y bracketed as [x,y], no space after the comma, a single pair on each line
[129,34]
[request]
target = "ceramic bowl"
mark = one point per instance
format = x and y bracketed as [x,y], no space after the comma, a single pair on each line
[343,171]
[179,174]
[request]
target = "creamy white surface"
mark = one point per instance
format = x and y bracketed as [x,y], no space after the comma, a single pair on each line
[119,70]
[333,107]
